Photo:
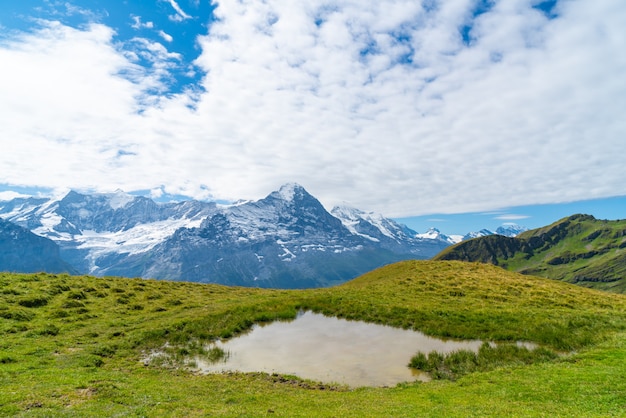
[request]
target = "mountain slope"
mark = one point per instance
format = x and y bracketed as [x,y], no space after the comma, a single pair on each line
[578,249]
[390,234]
[23,251]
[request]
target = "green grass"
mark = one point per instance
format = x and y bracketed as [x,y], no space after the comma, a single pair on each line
[72,346]
[489,357]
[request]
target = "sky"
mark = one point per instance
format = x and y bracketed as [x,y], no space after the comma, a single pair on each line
[529,216]
[408,108]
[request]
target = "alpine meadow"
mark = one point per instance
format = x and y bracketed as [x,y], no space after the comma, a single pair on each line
[74,345]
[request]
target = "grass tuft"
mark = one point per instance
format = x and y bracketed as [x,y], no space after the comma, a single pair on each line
[33,302]
[453,365]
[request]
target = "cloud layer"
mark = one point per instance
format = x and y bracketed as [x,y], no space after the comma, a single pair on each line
[394,106]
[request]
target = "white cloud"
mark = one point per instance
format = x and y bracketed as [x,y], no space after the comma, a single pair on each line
[138,24]
[180,13]
[167,37]
[511,217]
[10,195]
[156,193]
[379,103]
[66,110]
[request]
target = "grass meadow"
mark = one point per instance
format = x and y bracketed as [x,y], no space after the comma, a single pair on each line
[72,346]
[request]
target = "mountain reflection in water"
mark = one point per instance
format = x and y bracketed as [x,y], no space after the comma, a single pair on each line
[326,349]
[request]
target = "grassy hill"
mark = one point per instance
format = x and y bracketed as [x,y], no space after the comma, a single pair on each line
[578,249]
[72,345]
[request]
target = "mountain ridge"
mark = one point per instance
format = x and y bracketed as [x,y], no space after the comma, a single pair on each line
[578,249]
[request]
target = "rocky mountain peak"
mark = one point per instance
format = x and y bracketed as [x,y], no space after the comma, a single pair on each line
[291,194]
[291,191]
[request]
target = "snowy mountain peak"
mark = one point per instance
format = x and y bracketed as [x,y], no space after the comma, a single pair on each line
[345,212]
[289,191]
[510,230]
[434,233]
[477,234]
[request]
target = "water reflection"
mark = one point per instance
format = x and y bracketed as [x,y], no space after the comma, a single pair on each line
[326,349]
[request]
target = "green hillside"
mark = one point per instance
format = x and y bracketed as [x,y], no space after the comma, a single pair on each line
[578,249]
[73,346]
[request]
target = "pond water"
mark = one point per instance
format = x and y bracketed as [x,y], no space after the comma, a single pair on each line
[329,350]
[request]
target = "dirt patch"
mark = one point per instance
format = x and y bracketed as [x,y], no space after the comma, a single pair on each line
[293,381]
[86,393]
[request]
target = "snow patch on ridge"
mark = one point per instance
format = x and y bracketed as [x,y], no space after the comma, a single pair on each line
[288,191]
[350,217]
[49,220]
[138,239]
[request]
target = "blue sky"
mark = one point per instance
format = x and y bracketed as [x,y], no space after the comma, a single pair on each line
[531,217]
[407,108]
[160,21]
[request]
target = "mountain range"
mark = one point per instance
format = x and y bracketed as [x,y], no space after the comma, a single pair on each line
[288,239]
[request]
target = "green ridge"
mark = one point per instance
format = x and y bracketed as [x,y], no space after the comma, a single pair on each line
[578,249]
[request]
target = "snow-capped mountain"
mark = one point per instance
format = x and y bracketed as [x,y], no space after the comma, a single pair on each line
[476,234]
[92,228]
[434,233]
[287,239]
[388,233]
[372,226]
[508,230]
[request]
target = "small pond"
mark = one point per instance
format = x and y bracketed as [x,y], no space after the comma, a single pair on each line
[326,349]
